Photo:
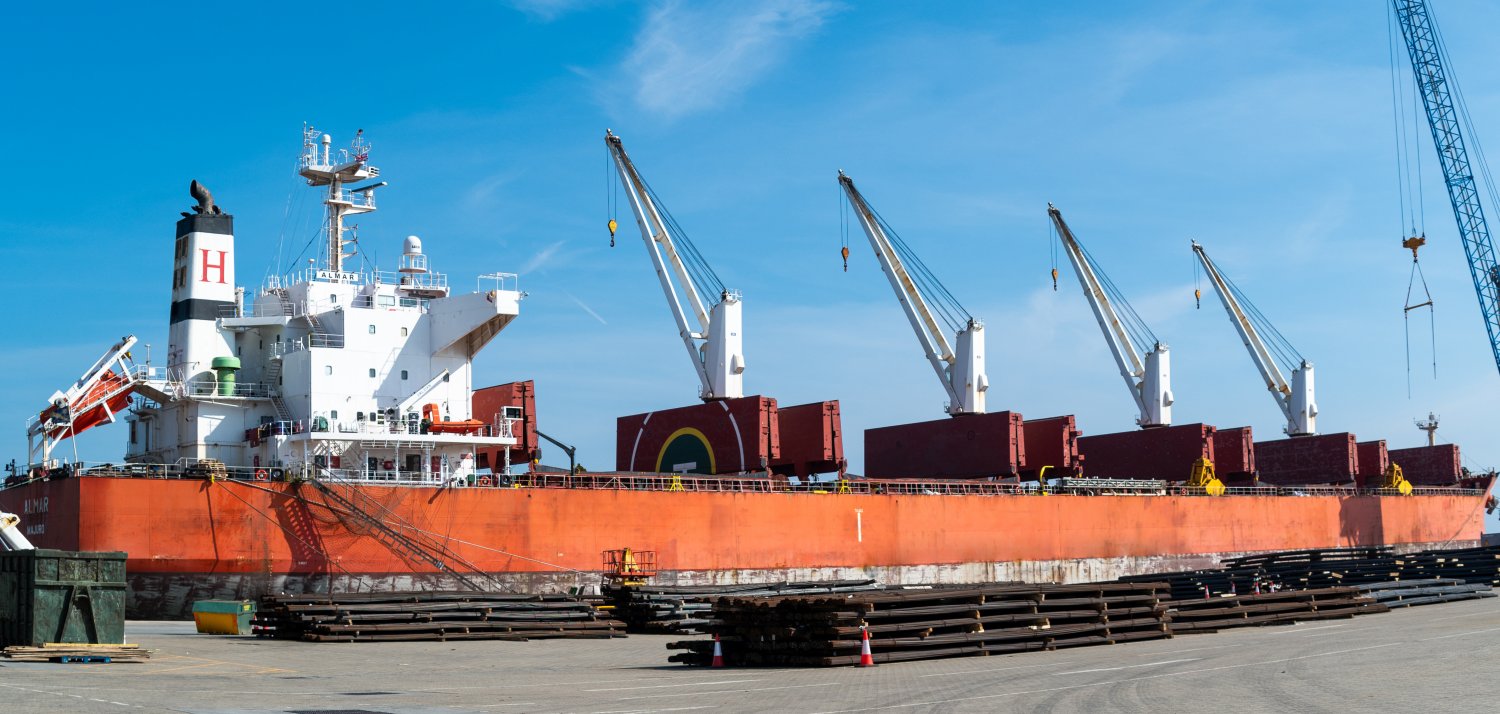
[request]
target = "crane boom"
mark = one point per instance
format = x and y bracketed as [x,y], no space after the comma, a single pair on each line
[716,346]
[1148,378]
[1295,399]
[961,371]
[1425,47]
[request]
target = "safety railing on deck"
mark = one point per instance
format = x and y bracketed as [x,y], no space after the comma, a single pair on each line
[240,390]
[706,484]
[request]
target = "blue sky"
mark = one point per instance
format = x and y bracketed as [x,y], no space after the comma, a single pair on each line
[1262,129]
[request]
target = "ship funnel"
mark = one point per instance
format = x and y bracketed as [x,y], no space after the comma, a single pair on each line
[412,259]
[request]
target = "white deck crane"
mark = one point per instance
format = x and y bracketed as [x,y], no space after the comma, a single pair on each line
[1149,378]
[716,346]
[1295,399]
[961,371]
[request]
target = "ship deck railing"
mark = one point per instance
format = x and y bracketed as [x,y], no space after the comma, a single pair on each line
[743,483]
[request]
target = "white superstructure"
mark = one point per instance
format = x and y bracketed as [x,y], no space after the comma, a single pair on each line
[367,374]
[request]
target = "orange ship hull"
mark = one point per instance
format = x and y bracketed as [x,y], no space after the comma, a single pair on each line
[193,539]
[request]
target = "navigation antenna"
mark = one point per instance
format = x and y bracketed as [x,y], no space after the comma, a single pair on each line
[1429,425]
[322,167]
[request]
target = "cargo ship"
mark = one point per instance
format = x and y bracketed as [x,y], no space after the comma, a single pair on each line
[323,433]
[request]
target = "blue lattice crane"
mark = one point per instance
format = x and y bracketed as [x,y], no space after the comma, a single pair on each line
[1445,113]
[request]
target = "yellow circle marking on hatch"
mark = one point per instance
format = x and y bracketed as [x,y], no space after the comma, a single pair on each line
[687,431]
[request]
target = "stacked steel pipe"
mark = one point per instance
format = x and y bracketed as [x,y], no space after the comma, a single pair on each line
[442,616]
[930,623]
[686,609]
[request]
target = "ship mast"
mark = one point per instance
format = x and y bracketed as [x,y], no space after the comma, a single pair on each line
[317,165]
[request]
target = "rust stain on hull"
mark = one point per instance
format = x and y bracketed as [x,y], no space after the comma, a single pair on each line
[236,539]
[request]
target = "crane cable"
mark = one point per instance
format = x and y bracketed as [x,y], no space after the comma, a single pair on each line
[843,226]
[1052,241]
[948,307]
[1411,198]
[1416,274]
[611,196]
[1140,333]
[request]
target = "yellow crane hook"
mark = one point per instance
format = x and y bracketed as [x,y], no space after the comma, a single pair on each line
[845,252]
[612,227]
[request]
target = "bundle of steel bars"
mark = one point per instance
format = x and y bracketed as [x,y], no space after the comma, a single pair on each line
[1410,593]
[1218,613]
[915,624]
[685,609]
[442,616]
[1308,569]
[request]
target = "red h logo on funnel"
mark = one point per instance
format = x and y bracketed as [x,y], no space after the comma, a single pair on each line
[219,267]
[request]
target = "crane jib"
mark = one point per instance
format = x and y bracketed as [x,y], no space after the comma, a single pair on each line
[1425,47]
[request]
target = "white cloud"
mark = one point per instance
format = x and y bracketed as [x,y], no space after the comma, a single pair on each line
[542,257]
[585,307]
[692,57]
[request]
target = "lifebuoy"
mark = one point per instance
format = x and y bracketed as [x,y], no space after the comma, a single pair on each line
[260,474]
[486,481]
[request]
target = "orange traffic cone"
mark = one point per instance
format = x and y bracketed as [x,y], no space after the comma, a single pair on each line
[865,658]
[718,653]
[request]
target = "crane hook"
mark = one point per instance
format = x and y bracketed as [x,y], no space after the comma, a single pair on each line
[845,252]
[1414,243]
[1198,299]
[612,227]
[1054,280]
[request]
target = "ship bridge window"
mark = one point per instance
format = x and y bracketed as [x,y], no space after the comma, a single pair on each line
[385,300]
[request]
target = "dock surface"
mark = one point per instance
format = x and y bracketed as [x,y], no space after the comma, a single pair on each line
[1439,658]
